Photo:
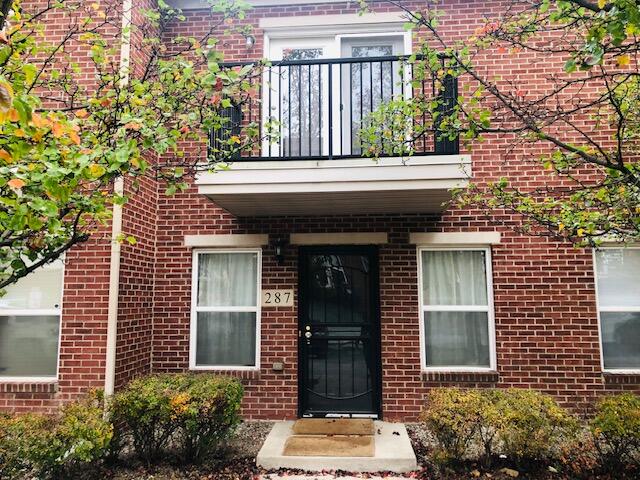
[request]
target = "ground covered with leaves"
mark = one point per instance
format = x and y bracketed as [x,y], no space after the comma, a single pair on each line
[237,462]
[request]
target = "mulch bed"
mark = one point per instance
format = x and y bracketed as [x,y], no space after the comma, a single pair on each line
[239,464]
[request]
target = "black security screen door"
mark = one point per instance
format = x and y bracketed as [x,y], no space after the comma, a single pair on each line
[339,331]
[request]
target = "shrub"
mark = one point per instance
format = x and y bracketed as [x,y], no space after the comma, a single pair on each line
[616,429]
[208,412]
[197,411]
[533,425]
[453,416]
[523,424]
[143,409]
[48,445]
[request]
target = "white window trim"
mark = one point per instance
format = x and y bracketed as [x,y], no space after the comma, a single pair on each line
[599,309]
[41,312]
[489,308]
[335,34]
[194,309]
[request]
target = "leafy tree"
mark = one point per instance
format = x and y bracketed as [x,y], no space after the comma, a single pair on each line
[578,122]
[69,131]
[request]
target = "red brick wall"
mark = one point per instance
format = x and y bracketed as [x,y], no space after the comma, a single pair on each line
[546,326]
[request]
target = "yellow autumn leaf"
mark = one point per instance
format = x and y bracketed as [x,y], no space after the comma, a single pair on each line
[235,139]
[580,232]
[624,60]
[38,121]
[75,138]
[57,129]
[96,170]
[602,4]
[6,156]
[13,115]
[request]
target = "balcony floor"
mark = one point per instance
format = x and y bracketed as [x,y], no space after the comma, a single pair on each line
[420,184]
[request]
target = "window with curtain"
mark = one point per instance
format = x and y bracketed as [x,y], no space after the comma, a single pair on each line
[457,311]
[30,325]
[618,278]
[225,322]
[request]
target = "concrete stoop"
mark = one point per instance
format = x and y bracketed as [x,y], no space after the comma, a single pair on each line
[393,452]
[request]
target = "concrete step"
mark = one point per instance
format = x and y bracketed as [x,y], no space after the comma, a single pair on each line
[393,452]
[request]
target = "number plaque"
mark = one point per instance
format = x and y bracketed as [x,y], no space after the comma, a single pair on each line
[277,298]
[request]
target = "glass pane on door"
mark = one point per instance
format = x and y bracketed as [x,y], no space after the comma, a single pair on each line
[372,79]
[371,85]
[301,104]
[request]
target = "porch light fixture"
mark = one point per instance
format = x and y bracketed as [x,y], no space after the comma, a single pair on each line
[250,41]
[278,248]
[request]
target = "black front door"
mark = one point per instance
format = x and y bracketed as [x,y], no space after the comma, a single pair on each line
[339,331]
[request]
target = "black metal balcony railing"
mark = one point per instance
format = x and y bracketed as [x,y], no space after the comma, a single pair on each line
[319,106]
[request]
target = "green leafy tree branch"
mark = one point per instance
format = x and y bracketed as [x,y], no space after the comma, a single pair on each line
[581,126]
[74,119]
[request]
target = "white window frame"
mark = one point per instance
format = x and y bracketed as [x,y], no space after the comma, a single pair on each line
[489,309]
[599,309]
[334,35]
[34,313]
[193,329]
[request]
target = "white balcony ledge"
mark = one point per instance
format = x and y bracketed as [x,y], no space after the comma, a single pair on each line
[420,184]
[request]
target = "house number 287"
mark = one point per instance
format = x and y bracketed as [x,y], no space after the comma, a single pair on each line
[277,298]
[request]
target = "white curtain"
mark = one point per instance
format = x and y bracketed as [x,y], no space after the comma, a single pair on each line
[227,279]
[455,338]
[29,345]
[454,278]
[226,338]
[618,274]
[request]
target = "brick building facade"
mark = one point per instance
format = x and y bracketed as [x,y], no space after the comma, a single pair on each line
[397,295]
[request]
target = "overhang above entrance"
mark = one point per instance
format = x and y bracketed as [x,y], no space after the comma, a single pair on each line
[337,187]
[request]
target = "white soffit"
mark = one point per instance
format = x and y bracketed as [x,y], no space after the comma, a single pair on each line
[353,238]
[232,240]
[288,22]
[201,4]
[337,187]
[455,238]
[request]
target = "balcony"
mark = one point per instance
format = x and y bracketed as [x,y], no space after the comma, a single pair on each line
[318,163]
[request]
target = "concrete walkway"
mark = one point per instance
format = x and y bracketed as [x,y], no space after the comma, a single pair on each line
[393,453]
[275,476]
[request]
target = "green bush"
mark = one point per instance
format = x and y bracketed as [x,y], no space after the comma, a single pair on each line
[533,425]
[522,424]
[50,444]
[195,411]
[616,429]
[457,418]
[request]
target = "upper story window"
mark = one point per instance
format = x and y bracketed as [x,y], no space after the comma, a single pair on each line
[225,321]
[618,287]
[457,325]
[30,325]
